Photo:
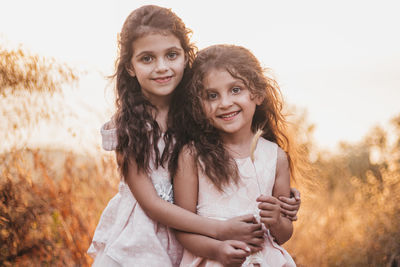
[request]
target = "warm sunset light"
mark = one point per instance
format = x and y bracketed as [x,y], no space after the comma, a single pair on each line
[338,67]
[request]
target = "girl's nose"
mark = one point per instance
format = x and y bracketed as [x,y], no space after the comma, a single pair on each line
[161,66]
[226,101]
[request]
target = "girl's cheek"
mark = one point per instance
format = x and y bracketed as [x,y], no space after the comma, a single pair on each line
[207,109]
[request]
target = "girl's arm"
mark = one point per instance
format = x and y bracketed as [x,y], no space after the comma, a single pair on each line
[181,219]
[280,227]
[186,195]
[164,212]
[228,252]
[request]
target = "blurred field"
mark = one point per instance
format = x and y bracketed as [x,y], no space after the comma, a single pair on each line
[52,198]
[50,204]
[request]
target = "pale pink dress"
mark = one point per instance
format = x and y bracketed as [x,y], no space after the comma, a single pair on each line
[240,200]
[125,235]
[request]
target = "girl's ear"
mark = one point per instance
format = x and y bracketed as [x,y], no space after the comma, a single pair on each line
[129,68]
[258,100]
[186,60]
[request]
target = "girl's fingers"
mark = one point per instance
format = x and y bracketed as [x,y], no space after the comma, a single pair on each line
[239,246]
[255,249]
[268,199]
[292,218]
[295,193]
[240,253]
[289,213]
[287,200]
[258,242]
[268,206]
[266,214]
[237,262]
[248,218]
[288,207]
[258,233]
[255,227]
[268,221]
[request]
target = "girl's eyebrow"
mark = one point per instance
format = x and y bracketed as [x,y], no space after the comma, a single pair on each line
[151,52]
[231,84]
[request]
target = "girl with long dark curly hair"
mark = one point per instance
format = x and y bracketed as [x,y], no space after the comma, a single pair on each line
[236,163]
[155,56]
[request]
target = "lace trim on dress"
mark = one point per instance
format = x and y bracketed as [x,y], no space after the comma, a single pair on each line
[165,191]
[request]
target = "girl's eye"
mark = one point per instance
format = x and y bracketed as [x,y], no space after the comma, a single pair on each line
[147,59]
[236,90]
[172,55]
[211,96]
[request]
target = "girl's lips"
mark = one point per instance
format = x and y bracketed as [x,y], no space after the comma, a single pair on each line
[163,79]
[228,116]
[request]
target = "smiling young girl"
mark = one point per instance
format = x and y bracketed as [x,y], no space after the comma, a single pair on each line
[218,176]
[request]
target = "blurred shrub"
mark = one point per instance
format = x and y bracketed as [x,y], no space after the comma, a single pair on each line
[50,203]
[30,94]
[350,214]
[22,71]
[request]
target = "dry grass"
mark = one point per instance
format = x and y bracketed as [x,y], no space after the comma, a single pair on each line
[349,220]
[50,205]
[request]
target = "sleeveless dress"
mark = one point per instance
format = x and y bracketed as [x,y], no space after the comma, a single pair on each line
[239,200]
[125,235]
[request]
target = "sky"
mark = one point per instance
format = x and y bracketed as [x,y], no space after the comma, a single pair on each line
[340,60]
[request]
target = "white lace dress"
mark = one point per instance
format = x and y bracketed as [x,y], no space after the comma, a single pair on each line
[240,200]
[125,235]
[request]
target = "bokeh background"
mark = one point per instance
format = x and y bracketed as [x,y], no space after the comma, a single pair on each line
[338,64]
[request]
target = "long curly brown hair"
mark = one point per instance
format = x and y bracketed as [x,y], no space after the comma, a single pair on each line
[137,130]
[217,163]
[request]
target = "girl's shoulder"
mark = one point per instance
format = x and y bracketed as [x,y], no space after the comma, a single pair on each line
[275,151]
[272,153]
[188,151]
[266,145]
[266,151]
[271,150]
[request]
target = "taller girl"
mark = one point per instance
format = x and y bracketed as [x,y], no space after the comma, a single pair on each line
[155,54]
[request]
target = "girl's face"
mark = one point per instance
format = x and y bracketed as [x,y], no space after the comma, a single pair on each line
[228,103]
[158,62]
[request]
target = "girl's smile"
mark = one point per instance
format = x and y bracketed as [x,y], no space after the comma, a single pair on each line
[163,80]
[229,116]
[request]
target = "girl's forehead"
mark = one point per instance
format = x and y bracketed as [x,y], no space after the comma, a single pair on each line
[218,73]
[156,42]
[143,31]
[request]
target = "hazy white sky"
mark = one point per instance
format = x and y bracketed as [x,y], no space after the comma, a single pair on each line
[339,59]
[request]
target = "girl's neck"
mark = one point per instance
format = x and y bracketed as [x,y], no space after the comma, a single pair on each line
[161,112]
[161,116]
[161,103]
[238,145]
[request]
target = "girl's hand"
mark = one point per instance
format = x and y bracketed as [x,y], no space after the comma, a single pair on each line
[243,228]
[232,253]
[290,206]
[270,211]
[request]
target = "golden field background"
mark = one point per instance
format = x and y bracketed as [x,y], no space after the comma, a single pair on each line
[52,198]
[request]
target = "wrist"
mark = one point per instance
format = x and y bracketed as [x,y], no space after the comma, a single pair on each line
[217,252]
[218,230]
[275,227]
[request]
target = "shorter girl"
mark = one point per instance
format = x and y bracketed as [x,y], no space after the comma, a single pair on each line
[218,176]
